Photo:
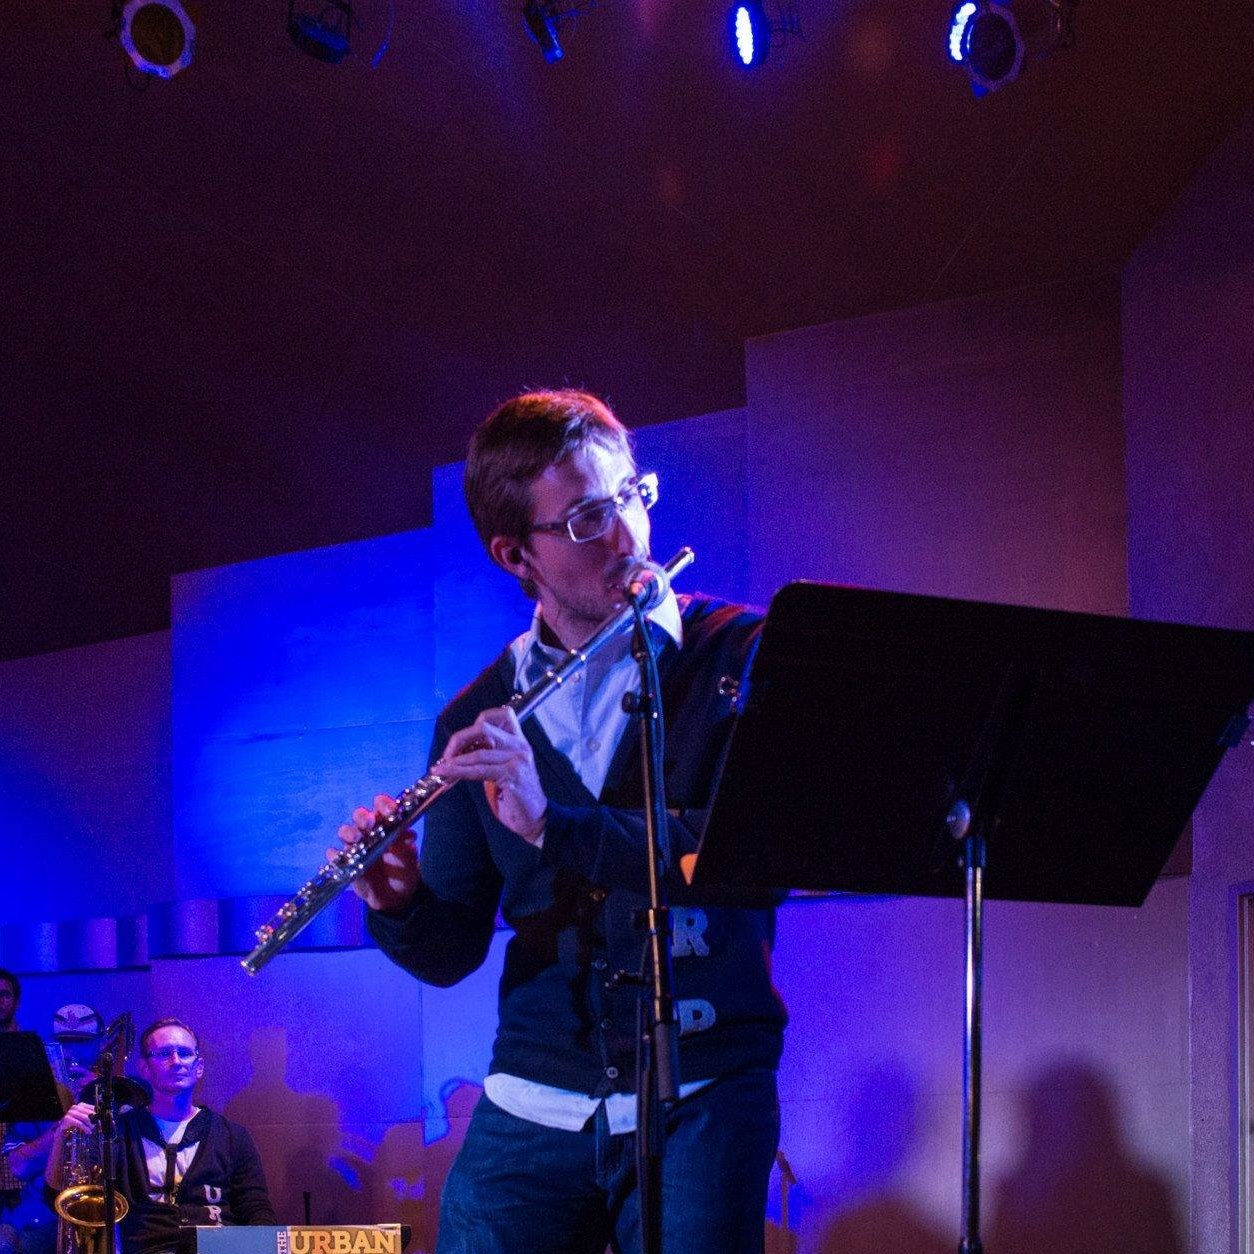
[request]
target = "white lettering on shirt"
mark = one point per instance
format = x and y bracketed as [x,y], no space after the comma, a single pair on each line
[695,1015]
[689,925]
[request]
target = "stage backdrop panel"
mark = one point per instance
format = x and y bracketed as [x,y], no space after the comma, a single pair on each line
[975,449]
[971,449]
[1189,402]
[303,685]
[84,788]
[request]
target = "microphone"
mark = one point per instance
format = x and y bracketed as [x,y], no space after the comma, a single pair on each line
[646,585]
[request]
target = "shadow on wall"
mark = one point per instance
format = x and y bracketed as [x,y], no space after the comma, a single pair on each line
[1078,1186]
[874,1214]
[411,1171]
[300,1139]
[349,1175]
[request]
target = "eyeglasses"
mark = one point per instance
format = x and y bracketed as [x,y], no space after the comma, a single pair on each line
[168,1053]
[592,521]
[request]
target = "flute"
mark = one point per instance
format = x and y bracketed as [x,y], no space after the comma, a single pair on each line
[350,863]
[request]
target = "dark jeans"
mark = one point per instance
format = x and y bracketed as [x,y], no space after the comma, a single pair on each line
[519,1188]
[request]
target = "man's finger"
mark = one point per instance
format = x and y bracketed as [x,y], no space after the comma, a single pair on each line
[479,757]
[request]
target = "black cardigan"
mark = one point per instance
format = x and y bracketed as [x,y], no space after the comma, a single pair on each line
[224,1183]
[574,904]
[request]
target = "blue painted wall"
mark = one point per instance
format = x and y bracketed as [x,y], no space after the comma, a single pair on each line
[974,448]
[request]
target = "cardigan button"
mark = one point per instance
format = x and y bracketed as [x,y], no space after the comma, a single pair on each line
[599,964]
[598,895]
[611,1073]
[606,1024]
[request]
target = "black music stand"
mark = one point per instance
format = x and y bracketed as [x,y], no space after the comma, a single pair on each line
[28,1091]
[896,744]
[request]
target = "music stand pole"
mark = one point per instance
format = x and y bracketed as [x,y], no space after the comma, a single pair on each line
[978,803]
[973,853]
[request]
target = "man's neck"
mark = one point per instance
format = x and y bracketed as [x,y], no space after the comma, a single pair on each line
[174,1107]
[567,634]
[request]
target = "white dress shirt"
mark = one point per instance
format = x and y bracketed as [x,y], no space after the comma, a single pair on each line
[584,720]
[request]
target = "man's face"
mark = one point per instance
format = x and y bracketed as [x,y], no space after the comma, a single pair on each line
[581,585]
[8,1006]
[171,1061]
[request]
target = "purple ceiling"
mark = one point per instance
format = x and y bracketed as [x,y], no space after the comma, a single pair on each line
[245,311]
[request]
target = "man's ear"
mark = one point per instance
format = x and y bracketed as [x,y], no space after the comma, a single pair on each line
[507,552]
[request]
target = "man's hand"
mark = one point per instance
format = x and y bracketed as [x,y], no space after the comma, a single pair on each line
[493,749]
[391,881]
[79,1118]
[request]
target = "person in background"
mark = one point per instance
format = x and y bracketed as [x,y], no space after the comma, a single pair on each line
[180,1164]
[27,1224]
[10,995]
[78,1033]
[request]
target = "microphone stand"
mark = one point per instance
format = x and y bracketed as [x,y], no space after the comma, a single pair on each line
[108,1168]
[657,1055]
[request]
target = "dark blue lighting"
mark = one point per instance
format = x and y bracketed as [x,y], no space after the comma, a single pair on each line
[749,33]
[542,21]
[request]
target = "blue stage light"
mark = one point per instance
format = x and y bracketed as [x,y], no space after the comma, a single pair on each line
[158,36]
[545,18]
[958,28]
[542,21]
[749,31]
[984,39]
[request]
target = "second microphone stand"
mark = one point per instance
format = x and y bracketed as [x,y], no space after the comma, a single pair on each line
[106,1116]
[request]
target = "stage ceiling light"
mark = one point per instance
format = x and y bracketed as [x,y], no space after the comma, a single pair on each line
[545,18]
[751,33]
[749,30]
[992,40]
[984,38]
[326,35]
[158,36]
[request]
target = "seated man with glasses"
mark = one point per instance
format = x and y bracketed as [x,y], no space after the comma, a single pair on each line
[550,828]
[179,1164]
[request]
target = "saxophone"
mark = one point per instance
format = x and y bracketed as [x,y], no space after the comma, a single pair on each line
[348,864]
[80,1201]
[80,1204]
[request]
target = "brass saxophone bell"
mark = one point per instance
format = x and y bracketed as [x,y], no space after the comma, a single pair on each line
[82,1208]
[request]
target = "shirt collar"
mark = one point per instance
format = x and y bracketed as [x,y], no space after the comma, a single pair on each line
[665,615]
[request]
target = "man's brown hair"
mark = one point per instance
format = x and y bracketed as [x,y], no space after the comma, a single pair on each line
[521,440]
[146,1035]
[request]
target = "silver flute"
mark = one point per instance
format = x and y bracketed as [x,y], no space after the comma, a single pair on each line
[348,864]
